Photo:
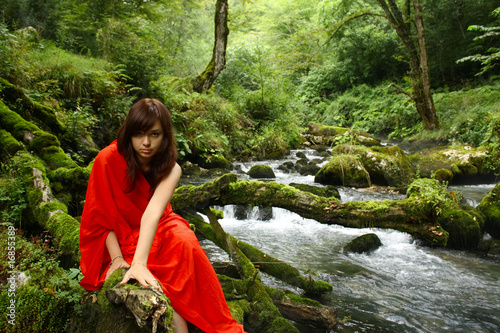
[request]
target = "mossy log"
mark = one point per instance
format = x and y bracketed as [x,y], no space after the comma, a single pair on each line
[128,308]
[262,316]
[302,310]
[44,114]
[412,215]
[42,143]
[48,211]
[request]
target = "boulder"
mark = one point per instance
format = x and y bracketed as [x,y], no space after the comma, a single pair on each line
[490,207]
[387,166]
[343,170]
[467,164]
[363,244]
[261,171]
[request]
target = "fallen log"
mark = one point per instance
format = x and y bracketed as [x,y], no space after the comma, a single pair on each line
[263,315]
[408,215]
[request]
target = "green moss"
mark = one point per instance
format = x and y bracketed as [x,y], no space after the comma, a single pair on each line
[444,175]
[387,166]
[9,145]
[261,171]
[325,191]
[343,170]
[42,140]
[239,310]
[363,244]
[490,207]
[281,325]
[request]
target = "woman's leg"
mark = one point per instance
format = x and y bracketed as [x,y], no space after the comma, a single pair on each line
[179,323]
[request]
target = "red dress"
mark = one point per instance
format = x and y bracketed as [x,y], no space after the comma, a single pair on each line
[176,258]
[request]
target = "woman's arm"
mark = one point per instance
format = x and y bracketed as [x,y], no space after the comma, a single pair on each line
[149,223]
[115,253]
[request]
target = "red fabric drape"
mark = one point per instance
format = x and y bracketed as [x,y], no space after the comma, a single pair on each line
[176,258]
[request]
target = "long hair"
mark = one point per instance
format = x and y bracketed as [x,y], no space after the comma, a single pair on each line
[141,117]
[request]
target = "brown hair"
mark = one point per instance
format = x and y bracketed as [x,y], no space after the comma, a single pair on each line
[141,117]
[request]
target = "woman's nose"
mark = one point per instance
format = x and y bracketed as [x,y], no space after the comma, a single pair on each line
[146,140]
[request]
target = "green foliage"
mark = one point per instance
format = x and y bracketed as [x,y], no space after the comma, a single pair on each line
[467,116]
[13,200]
[491,59]
[434,194]
[44,302]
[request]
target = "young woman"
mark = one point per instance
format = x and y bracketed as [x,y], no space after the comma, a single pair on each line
[127,221]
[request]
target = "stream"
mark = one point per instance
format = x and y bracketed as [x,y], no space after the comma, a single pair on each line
[401,287]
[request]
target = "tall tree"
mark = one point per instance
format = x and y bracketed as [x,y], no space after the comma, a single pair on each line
[415,44]
[204,81]
[406,17]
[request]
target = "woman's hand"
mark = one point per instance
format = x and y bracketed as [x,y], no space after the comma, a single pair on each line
[116,264]
[142,274]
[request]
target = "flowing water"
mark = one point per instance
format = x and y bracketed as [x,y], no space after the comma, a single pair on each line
[401,287]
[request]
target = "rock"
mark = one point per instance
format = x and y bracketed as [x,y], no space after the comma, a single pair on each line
[490,207]
[190,169]
[301,155]
[261,171]
[287,167]
[308,170]
[468,164]
[343,170]
[443,175]
[216,161]
[387,166]
[363,244]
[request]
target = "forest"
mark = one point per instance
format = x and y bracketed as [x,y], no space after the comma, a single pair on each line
[401,96]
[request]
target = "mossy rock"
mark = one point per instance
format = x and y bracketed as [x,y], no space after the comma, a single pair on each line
[343,170]
[443,175]
[191,169]
[363,244]
[387,166]
[490,207]
[467,164]
[464,228]
[327,135]
[326,191]
[216,162]
[261,171]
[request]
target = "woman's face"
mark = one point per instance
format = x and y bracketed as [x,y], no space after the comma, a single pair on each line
[146,144]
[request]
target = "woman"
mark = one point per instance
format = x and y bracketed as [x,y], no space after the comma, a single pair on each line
[127,221]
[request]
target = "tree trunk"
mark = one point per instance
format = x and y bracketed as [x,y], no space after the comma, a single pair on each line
[204,81]
[417,50]
[427,110]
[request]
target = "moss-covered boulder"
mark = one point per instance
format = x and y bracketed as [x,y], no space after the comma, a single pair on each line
[343,170]
[466,163]
[387,166]
[363,244]
[261,171]
[444,175]
[319,134]
[490,207]
[216,162]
